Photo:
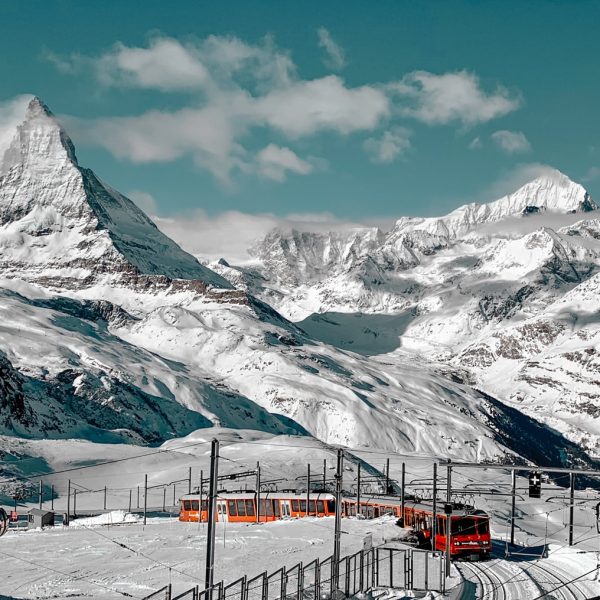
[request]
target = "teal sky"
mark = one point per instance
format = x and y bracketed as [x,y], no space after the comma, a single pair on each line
[535,68]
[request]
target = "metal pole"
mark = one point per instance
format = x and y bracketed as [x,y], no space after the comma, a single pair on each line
[129,500]
[145,496]
[75,503]
[190,480]
[201,490]
[571,505]
[174,492]
[358,492]
[68,502]
[258,492]
[513,508]
[52,497]
[308,491]
[402,499]
[104,497]
[164,499]
[41,494]
[212,509]
[338,517]
[434,524]
[448,517]
[324,474]
[138,496]
[387,475]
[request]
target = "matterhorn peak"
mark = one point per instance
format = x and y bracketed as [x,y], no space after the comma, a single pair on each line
[57,217]
[36,138]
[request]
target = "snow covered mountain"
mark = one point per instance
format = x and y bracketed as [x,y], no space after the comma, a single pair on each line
[60,225]
[505,292]
[111,332]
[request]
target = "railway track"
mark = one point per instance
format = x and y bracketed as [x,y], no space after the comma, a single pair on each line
[501,580]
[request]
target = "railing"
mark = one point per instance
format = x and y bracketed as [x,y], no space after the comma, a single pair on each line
[400,568]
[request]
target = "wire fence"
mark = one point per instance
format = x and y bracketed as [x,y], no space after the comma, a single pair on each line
[382,567]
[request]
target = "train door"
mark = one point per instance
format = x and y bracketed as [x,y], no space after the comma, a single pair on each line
[286,510]
[222,511]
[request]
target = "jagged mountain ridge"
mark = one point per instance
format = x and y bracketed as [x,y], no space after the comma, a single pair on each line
[477,289]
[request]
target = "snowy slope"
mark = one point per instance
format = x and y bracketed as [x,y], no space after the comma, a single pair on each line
[496,290]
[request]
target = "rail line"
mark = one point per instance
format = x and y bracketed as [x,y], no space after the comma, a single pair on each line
[494,581]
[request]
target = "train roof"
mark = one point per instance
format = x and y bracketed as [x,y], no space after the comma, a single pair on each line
[263,495]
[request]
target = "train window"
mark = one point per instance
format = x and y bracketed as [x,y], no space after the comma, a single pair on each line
[312,506]
[465,525]
[232,508]
[195,505]
[295,506]
[331,506]
[320,506]
[241,508]
[303,506]
[249,508]
[483,527]
[276,507]
[186,505]
[441,526]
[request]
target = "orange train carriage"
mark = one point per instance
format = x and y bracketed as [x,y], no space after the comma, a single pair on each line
[241,507]
[470,529]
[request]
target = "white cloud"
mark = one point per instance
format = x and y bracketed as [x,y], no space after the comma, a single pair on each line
[390,145]
[274,162]
[230,234]
[335,57]
[237,88]
[441,99]
[511,142]
[475,144]
[144,200]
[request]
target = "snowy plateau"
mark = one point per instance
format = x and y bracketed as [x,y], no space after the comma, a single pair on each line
[473,336]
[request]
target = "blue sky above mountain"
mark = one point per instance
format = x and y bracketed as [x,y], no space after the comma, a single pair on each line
[346,112]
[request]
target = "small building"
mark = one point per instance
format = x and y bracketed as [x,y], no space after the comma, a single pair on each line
[40,518]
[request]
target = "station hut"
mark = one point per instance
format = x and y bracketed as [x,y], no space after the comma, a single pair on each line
[40,518]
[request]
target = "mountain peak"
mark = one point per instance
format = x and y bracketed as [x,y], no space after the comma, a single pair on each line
[57,217]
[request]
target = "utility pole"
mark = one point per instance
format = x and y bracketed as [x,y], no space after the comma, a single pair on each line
[338,518]
[308,491]
[201,490]
[138,496]
[434,524]
[358,492]
[387,476]
[212,509]
[402,498]
[41,494]
[145,496]
[190,480]
[258,492]
[75,502]
[513,507]
[52,497]
[129,500]
[324,474]
[571,505]
[448,516]
[104,497]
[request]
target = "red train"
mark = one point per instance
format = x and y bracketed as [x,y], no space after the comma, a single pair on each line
[469,529]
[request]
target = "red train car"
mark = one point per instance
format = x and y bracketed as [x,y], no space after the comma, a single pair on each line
[241,507]
[470,536]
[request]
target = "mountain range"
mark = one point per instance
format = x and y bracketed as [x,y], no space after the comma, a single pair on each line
[472,335]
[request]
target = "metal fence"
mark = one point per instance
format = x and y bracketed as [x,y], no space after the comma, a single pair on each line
[400,568]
